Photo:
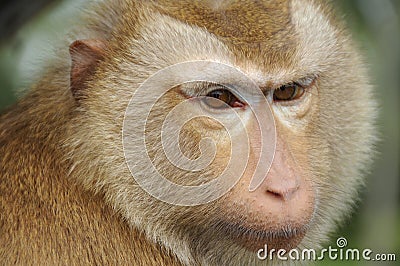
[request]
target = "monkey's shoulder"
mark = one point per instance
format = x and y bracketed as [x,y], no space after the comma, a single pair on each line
[47,218]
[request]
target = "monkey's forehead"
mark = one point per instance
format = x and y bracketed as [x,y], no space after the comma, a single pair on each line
[270,36]
[253,30]
[237,21]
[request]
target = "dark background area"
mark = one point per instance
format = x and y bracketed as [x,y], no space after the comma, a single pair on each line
[14,14]
[29,29]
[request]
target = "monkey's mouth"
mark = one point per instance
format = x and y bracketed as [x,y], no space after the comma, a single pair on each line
[286,237]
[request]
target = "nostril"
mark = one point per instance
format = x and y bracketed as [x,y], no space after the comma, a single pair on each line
[283,194]
[275,194]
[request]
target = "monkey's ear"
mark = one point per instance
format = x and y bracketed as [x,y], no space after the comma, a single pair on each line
[85,55]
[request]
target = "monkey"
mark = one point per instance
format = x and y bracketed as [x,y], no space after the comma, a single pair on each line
[67,192]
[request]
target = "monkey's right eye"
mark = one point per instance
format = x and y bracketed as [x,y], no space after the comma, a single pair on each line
[220,98]
[288,92]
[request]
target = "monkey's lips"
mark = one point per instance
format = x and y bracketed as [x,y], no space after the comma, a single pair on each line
[252,238]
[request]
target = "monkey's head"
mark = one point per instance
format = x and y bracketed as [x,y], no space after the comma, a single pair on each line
[280,92]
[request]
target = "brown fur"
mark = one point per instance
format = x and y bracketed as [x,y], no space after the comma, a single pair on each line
[47,219]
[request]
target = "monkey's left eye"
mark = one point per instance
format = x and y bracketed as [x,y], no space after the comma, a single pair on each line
[220,98]
[288,92]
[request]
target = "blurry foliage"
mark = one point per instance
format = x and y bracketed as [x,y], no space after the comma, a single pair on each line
[375,25]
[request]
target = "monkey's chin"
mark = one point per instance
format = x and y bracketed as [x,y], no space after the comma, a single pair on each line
[285,237]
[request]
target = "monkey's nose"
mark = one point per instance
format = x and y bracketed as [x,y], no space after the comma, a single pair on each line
[283,179]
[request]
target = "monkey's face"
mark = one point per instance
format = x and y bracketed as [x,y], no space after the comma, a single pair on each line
[243,143]
[288,126]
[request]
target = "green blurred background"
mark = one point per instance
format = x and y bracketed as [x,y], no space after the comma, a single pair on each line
[28,33]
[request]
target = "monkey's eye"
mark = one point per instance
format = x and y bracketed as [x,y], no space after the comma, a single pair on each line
[220,98]
[288,92]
